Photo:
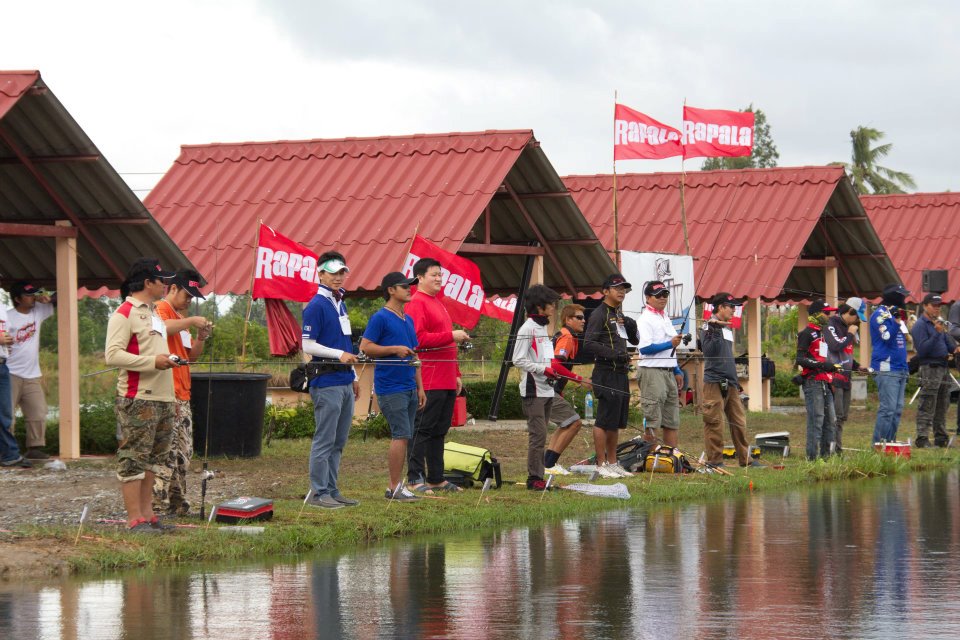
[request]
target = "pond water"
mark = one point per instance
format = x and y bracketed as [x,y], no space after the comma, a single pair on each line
[877,559]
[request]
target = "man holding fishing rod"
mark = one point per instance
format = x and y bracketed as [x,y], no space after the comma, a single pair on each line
[605,340]
[721,387]
[145,406]
[659,374]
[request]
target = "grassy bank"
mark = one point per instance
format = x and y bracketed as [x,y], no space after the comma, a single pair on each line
[280,474]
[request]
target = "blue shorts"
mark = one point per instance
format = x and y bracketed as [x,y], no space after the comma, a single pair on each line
[400,410]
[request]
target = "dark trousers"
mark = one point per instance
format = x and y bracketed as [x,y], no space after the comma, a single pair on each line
[432,424]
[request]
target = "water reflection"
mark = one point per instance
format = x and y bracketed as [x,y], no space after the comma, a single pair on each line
[875,560]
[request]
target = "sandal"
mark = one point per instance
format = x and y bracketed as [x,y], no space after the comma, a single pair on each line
[448,487]
[421,488]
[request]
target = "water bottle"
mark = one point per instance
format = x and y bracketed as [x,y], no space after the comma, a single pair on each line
[588,406]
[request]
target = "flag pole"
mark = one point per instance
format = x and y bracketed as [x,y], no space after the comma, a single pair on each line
[616,213]
[683,206]
[253,275]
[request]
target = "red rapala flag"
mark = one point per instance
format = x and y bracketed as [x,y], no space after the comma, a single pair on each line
[500,308]
[461,291]
[735,322]
[715,133]
[284,269]
[640,137]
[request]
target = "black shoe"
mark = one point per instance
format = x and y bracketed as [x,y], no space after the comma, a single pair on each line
[36,453]
[940,443]
[922,442]
[345,501]
[754,463]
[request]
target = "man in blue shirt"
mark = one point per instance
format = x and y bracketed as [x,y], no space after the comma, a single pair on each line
[392,338]
[933,345]
[888,334]
[333,386]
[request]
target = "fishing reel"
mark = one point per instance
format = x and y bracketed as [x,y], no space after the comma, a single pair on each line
[465,346]
[362,357]
[686,339]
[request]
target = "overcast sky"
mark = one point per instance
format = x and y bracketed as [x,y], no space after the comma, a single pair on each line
[143,78]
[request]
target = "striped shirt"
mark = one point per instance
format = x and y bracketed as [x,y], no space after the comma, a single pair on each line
[135,337]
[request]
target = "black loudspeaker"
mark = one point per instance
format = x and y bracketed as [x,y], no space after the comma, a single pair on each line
[935,281]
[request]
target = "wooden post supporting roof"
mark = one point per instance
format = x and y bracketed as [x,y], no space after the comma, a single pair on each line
[751,314]
[831,286]
[68,339]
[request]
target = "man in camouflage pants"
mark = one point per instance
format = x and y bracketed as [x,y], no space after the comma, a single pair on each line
[170,487]
[137,345]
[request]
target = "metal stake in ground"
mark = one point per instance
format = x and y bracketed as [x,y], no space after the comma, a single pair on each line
[305,498]
[213,514]
[546,487]
[83,518]
[483,489]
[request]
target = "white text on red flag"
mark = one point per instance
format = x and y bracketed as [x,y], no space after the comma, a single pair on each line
[717,133]
[639,137]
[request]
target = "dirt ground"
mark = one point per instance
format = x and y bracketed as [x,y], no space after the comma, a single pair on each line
[42,497]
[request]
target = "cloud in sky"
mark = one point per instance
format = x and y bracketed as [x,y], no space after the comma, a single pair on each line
[143,79]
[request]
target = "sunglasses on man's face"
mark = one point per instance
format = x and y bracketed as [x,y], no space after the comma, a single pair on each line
[578,317]
[662,294]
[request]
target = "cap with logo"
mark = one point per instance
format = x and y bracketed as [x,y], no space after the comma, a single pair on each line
[895,295]
[932,298]
[394,279]
[334,265]
[820,306]
[615,280]
[725,298]
[858,305]
[655,288]
[185,282]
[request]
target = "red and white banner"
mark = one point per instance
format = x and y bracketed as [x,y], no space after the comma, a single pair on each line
[500,308]
[284,269]
[714,133]
[461,291]
[735,323]
[640,137]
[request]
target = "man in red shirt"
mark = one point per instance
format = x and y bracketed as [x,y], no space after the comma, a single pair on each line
[170,485]
[437,348]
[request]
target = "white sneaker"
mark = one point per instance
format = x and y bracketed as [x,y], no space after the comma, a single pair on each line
[606,471]
[557,470]
[619,469]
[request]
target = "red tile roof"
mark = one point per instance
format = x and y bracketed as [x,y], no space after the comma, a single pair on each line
[366,197]
[14,84]
[920,231]
[747,228]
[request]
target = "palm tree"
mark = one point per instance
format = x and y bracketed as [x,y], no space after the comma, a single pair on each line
[868,176]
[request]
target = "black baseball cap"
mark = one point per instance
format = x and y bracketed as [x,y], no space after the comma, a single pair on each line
[655,288]
[189,281]
[395,278]
[894,295]
[932,298]
[820,306]
[725,298]
[144,268]
[615,280]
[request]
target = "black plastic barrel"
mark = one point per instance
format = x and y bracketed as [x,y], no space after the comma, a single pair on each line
[236,402]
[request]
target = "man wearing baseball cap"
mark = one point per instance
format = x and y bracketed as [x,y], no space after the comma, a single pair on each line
[31,307]
[137,345]
[842,335]
[659,374]
[888,335]
[817,373]
[170,486]
[933,347]
[391,338]
[721,387]
[605,340]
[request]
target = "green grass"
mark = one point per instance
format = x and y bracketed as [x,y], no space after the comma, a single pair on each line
[281,474]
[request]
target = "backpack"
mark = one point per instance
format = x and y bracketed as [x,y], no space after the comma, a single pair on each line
[664,459]
[475,462]
[631,454]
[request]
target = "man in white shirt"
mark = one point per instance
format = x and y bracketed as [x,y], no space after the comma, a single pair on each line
[30,308]
[660,376]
